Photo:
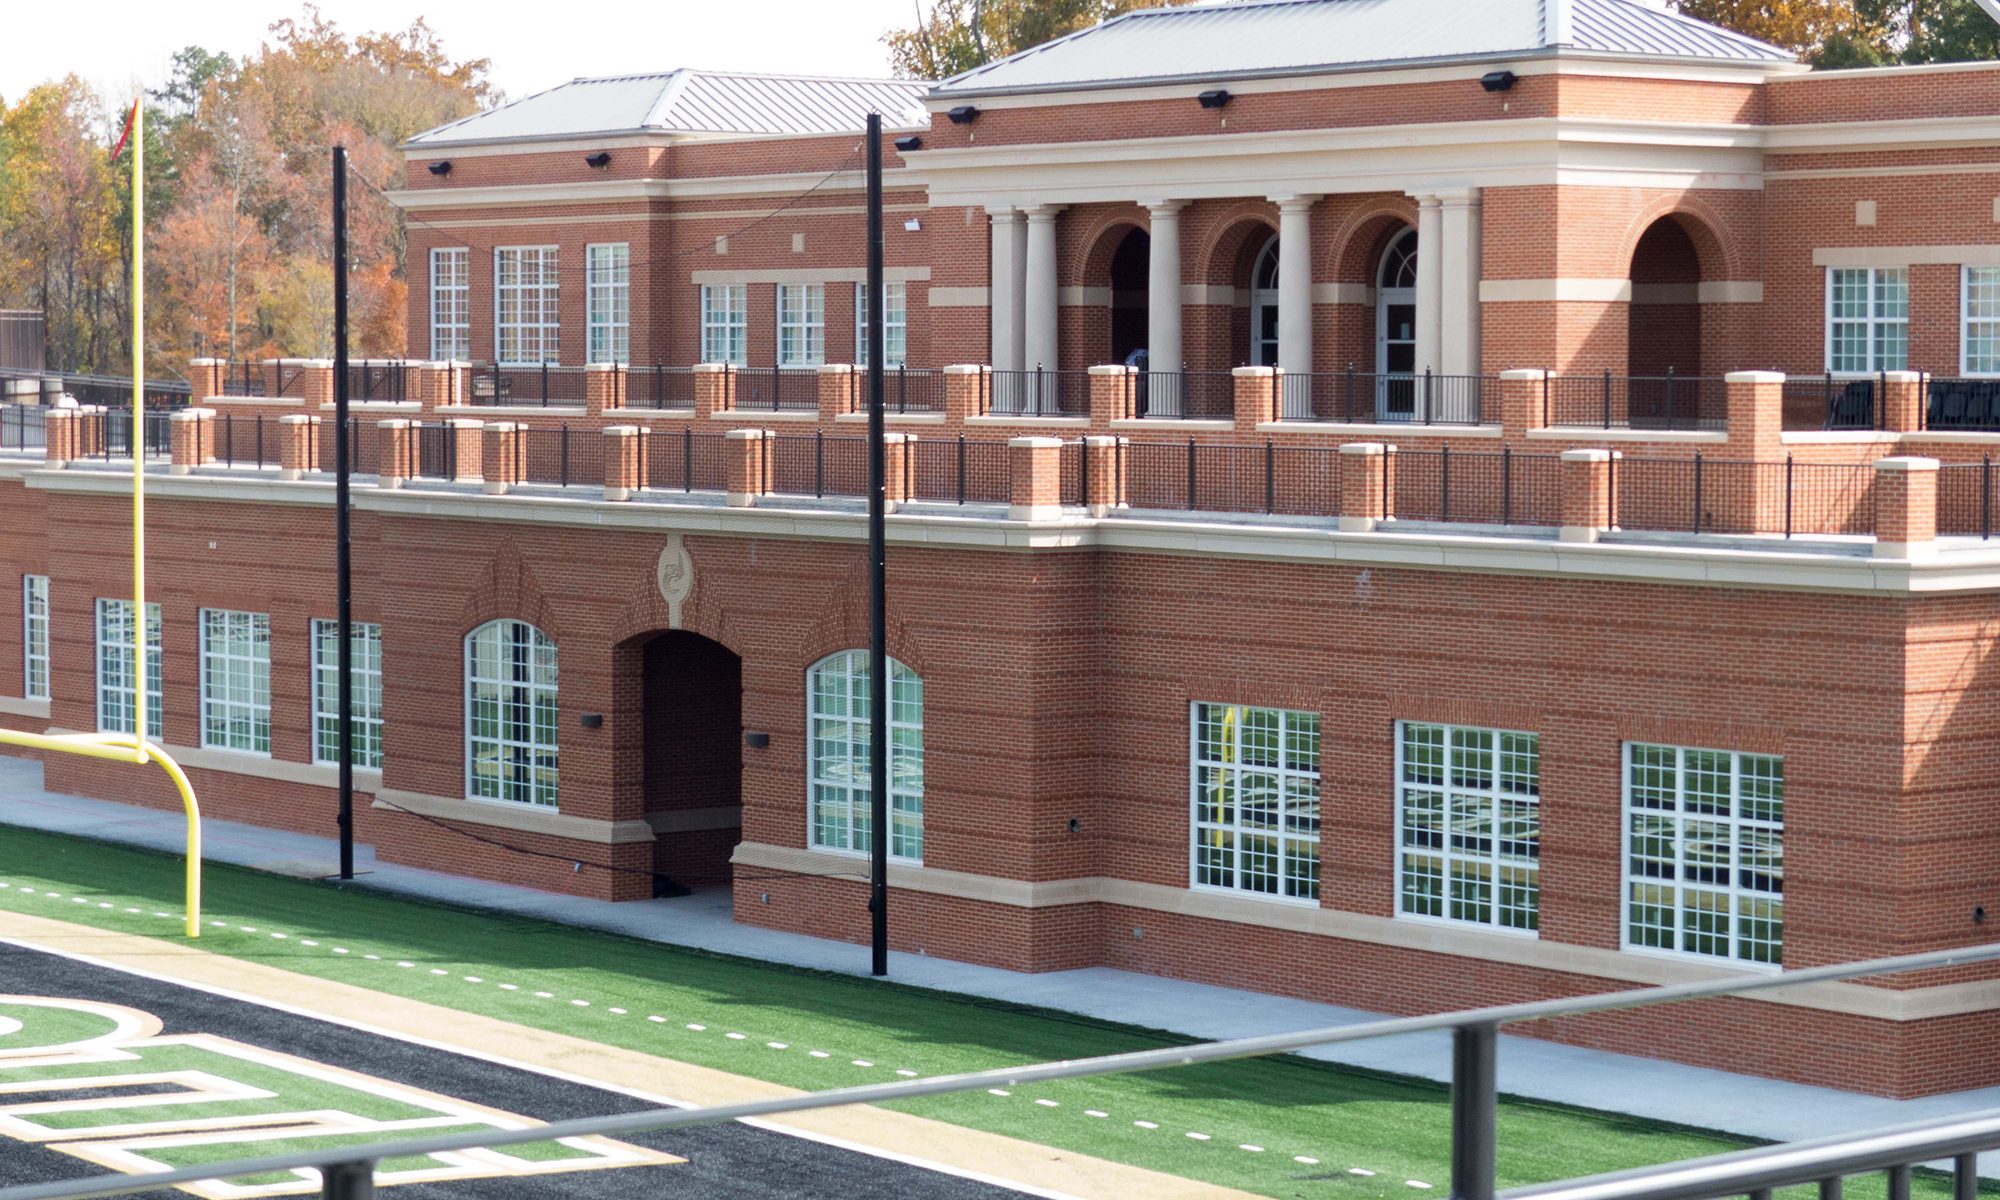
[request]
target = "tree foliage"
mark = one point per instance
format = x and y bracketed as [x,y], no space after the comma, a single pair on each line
[957,35]
[1852,33]
[238,195]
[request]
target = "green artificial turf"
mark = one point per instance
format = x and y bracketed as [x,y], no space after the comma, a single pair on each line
[556,977]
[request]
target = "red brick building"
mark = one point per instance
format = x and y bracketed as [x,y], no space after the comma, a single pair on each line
[1543,550]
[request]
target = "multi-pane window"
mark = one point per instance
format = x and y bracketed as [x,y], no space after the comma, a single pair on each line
[510,710]
[114,669]
[895,323]
[35,636]
[1256,800]
[1868,319]
[524,305]
[801,324]
[725,323]
[451,303]
[1468,816]
[236,680]
[1705,852]
[837,697]
[365,725]
[610,298]
[1982,321]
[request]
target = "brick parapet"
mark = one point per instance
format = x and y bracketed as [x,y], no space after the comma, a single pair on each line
[1104,474]
[621,462]
[603,388]
[1905,506]
[1256,397]
[468,450]
[839,392]
[298,445]
[965,392]
[396,458]
[1036,467]
[1586,494]
[714,388]
[1112,394]
[185,442]
[1520,404]
[746,466]
[500,461]
[1367,485]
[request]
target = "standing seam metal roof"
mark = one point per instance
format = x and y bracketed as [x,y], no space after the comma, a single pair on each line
[1262,37]
[692,102]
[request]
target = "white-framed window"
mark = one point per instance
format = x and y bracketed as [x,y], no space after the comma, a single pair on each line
[236,680]
[35,636]
[114,669]
[1255,780]
[837,700]
[525,325]
[365,642]
[725,323]
[1979,343]
[801,324]
[895,324]
[510,714]
[1867,319]
[451,303]
[1705,852]
[610,302]
[1468,824]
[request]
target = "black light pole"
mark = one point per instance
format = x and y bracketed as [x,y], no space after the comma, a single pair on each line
[878,651]
[342,588]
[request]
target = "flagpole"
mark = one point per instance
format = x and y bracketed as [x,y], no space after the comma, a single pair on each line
[137,438]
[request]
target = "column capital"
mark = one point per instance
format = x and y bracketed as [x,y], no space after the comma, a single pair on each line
[1465,197]
[1425,199]
[1294,202]
[1041,213]
[1002,212]
[1163,208]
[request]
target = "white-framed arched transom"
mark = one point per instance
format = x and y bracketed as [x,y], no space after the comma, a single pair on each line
[1396,328]
[1264,307]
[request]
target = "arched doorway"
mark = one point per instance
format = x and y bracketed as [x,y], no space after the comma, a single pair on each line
[1131,274]
[682,695]
[1264,307]
[1396,329]
[1663,326]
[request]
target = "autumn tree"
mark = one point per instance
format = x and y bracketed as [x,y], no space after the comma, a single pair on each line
[957,35]
[1846,33]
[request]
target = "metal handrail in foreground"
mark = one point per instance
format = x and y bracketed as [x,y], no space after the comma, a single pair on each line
[347,1172]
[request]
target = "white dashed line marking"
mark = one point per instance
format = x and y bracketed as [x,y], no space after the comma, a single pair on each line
[545,995]
[281,936]
[580,1004]
[1300,1158]
[1091,1112]
[248,928]
[1199,1137]
[135,912]
[1145,1124]
[508,987]
[1252,1149]
[734,1037]
[406,964]
[778,1045]
[103,904]
[308,942]
[1049,1103]
[618,1011]
[1359,1171]
[998,1092]
[1419,1184]
[372,957]
[474,979]
[691,1025]
[907,1074]
[862,1062]
[439,971]
[819,1054]
[168,916]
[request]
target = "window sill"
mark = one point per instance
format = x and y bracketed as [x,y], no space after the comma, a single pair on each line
[1709,960]
[1209,889]
[1526,935]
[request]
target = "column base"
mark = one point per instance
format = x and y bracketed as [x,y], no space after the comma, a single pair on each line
[1034,512]
[617,494]
[1357,524]
[495,487]
[1579,534]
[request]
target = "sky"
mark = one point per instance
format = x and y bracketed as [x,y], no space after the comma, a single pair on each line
[533,44]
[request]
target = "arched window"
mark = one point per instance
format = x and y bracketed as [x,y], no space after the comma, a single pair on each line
[837,709]
[1399,264]
[510,714]
[1265,276]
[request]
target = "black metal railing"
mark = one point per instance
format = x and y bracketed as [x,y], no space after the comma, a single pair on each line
[1960,404]
[23,427]
[904,390]
[1706,495]
[1037,393]
[1354,397]
[541,386]
[657,387]
[1835,403]
[241,377]
[435,455]
[246,439]
[157,434]
[1181,395]
[1490,487]
[777,389]
[1965,499]
[960,471]
[377,379]
[683,461]
[1608,401]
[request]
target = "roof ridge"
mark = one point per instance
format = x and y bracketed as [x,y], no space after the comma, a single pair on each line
[1676,16]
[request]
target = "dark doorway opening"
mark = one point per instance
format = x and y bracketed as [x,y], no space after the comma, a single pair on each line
[692,697]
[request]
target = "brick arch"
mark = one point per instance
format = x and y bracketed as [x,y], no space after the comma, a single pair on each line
[510,591]
[843,625]
[1223,258]
[646,612]
[1719,259]
[1099,240]
[1359,242]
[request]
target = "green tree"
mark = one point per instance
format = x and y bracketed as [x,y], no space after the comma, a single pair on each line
[1857,33]
[957,35]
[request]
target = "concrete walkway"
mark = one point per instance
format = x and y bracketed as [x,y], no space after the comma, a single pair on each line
[1738,1104]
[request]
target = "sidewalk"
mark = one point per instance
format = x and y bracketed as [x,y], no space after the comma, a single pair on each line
[1739,1104]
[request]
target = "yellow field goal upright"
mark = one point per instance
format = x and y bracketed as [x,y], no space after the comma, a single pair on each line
[135,747]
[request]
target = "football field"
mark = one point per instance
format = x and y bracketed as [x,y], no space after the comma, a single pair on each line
[107,1071]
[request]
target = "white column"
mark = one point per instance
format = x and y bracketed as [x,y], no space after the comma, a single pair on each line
[1295,284]
[1039,324]
[1430,280]
[1458,298]
[1163,287]
[1004,296]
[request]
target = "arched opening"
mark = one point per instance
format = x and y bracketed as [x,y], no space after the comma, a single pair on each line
[1663,323]
[1131,273]
[681,694]
[1264,307]
[1396,328]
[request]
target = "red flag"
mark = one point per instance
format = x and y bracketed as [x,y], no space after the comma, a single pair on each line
[129,118]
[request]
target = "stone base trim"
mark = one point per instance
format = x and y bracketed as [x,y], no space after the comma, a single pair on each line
[520,818]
